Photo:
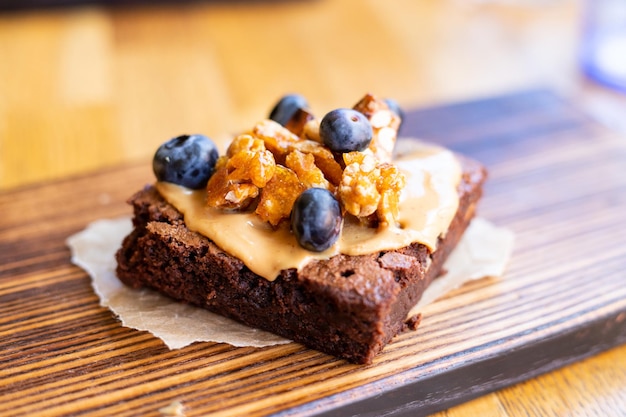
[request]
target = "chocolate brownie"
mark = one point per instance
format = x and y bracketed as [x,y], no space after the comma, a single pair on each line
[346,306]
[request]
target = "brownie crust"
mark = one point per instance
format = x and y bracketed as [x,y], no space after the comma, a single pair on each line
[347,306]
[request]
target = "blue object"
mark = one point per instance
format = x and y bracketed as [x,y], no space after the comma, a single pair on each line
[603,49]
[346,130]
[316,219]
[286,107]
[186,160]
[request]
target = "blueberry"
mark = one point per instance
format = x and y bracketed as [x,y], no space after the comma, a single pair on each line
[346,130]
[186,160]
[286,107]
[395,107]
[316,219]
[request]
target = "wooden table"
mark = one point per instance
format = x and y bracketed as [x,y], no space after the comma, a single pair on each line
[84,89]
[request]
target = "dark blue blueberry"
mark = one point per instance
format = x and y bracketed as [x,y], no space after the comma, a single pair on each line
[186,160]
[316,219]
[395,107]
[346,130]
[286,107]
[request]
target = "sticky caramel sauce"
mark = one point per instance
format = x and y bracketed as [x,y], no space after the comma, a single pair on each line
[428,203]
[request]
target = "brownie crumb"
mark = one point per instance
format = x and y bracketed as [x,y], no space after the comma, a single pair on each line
[413,322]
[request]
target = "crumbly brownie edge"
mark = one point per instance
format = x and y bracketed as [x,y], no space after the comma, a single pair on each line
[330,306]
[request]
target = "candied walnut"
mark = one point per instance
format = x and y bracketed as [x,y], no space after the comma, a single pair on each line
[278,196]
[277,139]
[221,162]
[250,161]
[246,167]
[390,184]
[226,194]
[369,105]
[303,164]
[244,143]
[324,159]
[385,124]
[358,191]
[311,130]
[369,187]
[281,142]
[298,121]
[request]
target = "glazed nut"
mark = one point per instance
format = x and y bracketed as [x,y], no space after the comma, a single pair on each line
[277,139]
[370,187]
[303,164]
[223,193]
[389,185]
[279,195]
[358,191]
[246,167]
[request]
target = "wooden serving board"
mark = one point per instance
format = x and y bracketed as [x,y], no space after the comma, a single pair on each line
[557,179]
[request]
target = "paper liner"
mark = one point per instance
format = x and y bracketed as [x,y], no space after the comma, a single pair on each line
[483,251]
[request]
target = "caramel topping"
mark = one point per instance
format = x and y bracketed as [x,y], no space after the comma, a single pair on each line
[428,203]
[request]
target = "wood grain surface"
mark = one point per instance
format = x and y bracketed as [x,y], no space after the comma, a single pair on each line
[556,180]
[91,87]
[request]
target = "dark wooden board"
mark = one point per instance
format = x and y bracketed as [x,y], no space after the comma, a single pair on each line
[557,178]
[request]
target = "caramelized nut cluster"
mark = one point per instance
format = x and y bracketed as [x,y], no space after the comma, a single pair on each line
[247,167]
[370,187]
[267,168]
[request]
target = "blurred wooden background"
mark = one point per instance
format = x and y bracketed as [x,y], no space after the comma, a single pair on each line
[82,88]
[86,87]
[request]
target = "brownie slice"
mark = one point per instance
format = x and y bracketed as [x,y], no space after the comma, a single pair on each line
[347,306]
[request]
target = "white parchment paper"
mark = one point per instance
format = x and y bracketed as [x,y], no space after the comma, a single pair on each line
[483,252]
